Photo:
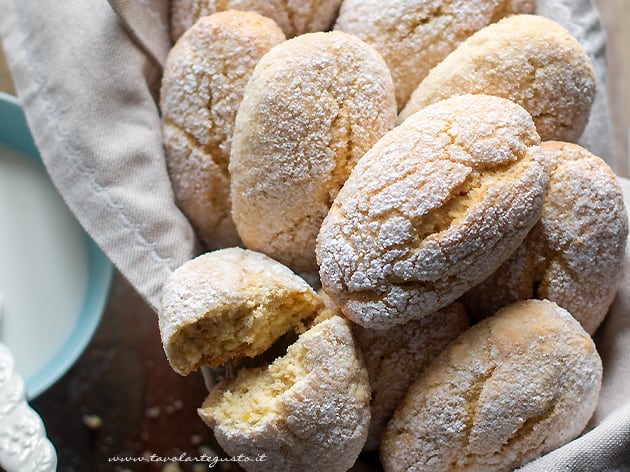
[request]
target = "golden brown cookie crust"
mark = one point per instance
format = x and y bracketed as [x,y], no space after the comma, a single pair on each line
[414,36]
[314,105]
[295,17]
[439,201]
[308,411]
[227,304]
[204,77]
[508,390]
[528,59]
[396,356]
[573,255]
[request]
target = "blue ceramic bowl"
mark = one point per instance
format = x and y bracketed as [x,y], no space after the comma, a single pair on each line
[14,133]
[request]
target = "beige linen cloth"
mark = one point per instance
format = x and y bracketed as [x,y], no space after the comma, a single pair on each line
[87,73]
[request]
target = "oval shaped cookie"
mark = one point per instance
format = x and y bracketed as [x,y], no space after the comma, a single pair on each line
[573,255]
[414,35]
[227,304]
[511,388]
[528,59]
[295,17]
[314,105]
[308,411]
[202,86]
[432,210]
[396,356]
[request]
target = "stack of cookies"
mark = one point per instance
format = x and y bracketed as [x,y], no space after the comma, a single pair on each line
[404,242]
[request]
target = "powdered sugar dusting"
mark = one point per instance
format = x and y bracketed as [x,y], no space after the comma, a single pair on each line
[528,59]
[295,17]
[314,106]
[321,421]
[395,357]
[476,407]
[414,36]
[202,86]
[573,255]
[464,214]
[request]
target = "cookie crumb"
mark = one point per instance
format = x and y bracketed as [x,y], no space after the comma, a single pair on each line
[93,422]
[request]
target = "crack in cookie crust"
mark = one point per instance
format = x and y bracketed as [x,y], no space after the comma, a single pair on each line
[573,255]
[307,411]
[314,105]
[432,206]
[476,408]
[295,17]
[528,59]
[414,36]
[204,78]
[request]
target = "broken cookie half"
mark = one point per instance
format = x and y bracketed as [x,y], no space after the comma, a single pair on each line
[308,410]
[230,304]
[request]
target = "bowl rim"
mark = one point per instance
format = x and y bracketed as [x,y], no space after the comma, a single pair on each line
[100,268]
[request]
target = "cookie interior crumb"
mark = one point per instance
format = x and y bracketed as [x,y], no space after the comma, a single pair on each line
[243,330]
[256,393]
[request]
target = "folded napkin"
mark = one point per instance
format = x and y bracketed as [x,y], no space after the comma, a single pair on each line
[89,95]
[88,72]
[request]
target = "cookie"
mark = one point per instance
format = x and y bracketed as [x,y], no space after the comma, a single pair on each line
[396,356]
[528,59]
[413,36]
[511,388]
[432,210]
[295,17]
[573,255]
[204,77]
[229,304]
[314,105]
[307,411]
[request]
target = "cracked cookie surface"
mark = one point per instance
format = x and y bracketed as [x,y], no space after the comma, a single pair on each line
[528,59]
[396,356]
[573,255]
[314,105]
[295,17]
[229,304]
[413,36]
[431,210]
[307,411]
[204,77]
[476,408]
